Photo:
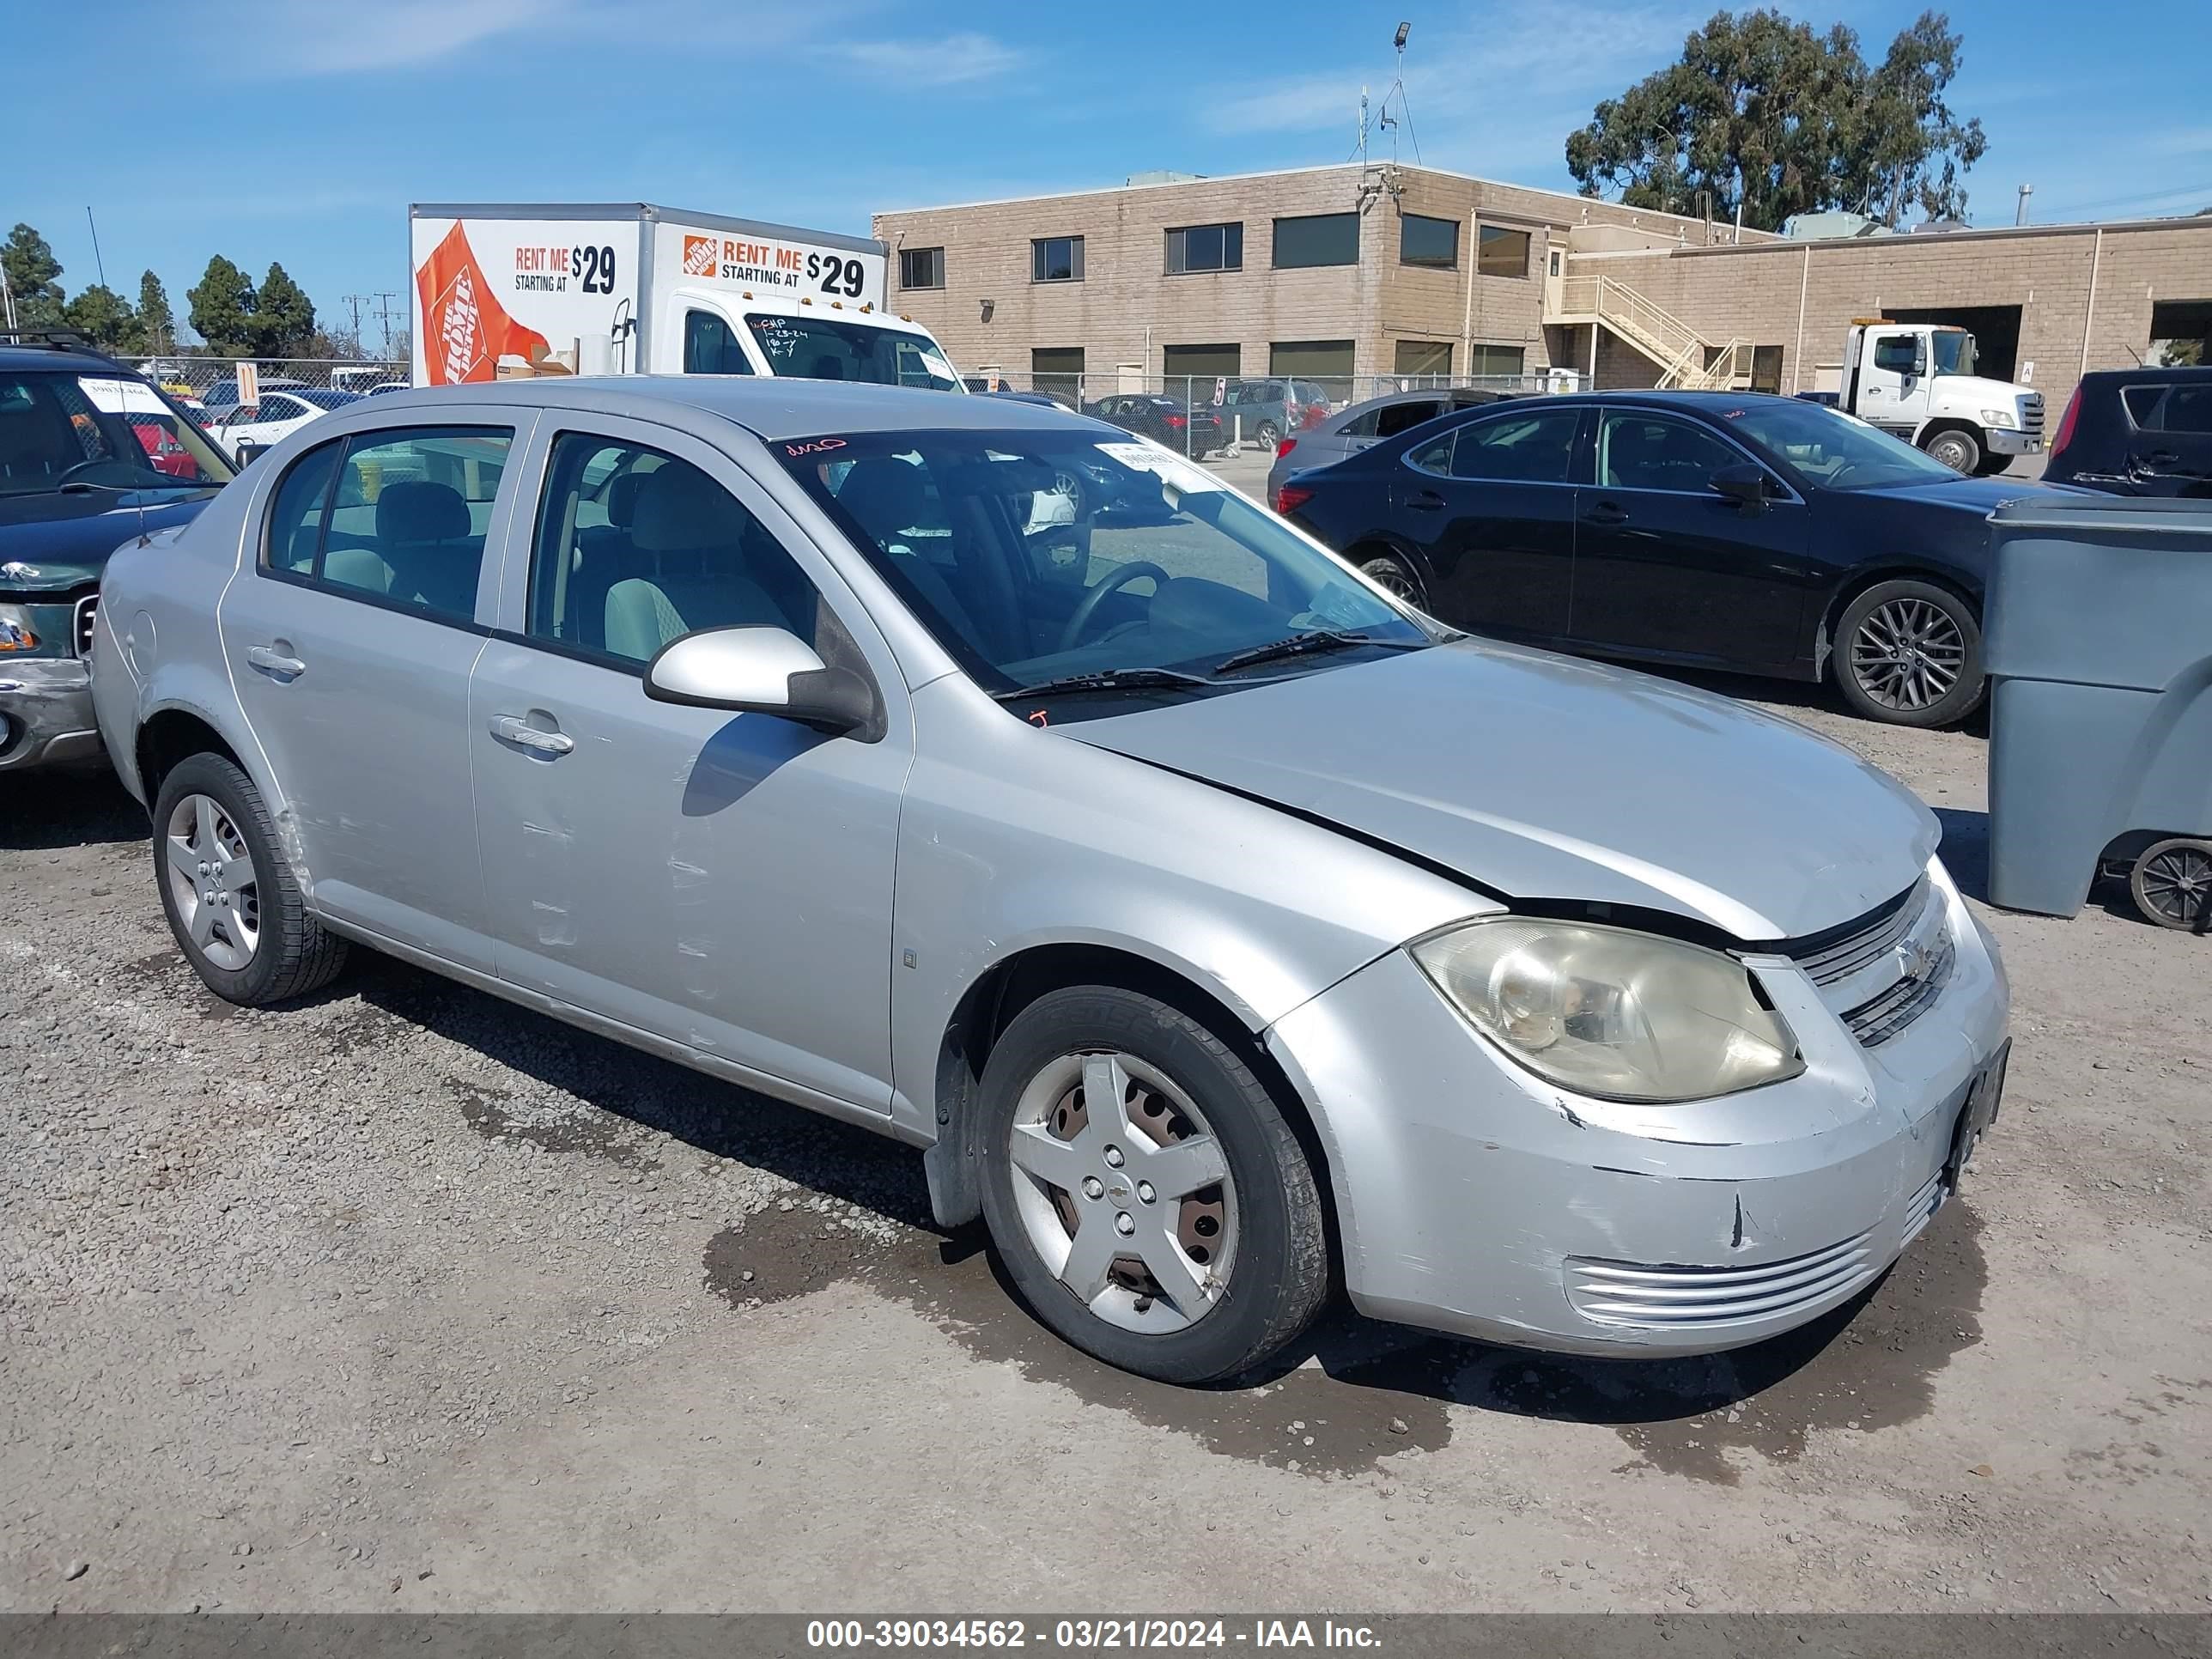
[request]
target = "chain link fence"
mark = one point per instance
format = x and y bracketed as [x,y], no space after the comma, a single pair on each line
[212,382]
[1208,415]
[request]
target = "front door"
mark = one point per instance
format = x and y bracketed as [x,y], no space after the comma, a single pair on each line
[350,635]
[1893,383]
[723,881]
[1491,503]
[1665,562]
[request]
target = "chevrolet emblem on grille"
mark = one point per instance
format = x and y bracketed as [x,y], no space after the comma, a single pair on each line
[1915,960]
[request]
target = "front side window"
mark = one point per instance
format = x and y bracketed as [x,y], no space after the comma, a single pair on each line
[921,267]
[1056,259]
[635,548]
[1897,354]
[1206,247]
[711,347]
[1637,451]
[1425,241]
[1501,252]
[1537,446]
[397,517]
[1317,239]
[1037,556]
[104,433]
[823,348]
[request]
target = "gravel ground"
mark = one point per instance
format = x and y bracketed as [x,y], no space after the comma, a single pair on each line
[405,1299]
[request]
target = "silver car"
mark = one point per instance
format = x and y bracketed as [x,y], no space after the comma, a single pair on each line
[1351,430]
[1218,928]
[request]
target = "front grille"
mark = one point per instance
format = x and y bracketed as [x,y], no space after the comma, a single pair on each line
[1677,1297]
[1878,1018]
[86,607]
[2031,414]
[1829,960]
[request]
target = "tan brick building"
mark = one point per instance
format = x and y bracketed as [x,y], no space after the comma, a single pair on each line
[1347,273]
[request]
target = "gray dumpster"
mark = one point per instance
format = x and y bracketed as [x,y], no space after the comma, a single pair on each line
[2098,636]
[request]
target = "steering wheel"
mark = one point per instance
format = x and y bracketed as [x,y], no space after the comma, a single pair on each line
[69,472]
[1114,583]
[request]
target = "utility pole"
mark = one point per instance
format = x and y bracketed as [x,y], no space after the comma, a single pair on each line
[385,312]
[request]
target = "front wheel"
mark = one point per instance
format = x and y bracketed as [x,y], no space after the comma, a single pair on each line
[1909,654]
[1145,1190]
[1960,451]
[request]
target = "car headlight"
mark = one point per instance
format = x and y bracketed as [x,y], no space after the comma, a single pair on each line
[16,633]
[1999,417]
[1606,1012]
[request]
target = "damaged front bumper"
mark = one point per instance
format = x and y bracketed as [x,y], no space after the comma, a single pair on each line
[46,713]
[1475,1199]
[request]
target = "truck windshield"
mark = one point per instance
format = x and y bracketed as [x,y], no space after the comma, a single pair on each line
[1831,449]
[826,348]
[100,432]
[1954,351]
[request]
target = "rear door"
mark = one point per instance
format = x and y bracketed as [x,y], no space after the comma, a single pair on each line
[1491,503]
[2170,439]
[1664,563]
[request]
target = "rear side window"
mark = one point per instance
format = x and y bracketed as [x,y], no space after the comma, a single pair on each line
[1533,448]
[1434,456]
[2169,408]
[1392,418]
[397,518]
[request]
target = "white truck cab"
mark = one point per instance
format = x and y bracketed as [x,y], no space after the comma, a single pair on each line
[1917,380]
[510,291]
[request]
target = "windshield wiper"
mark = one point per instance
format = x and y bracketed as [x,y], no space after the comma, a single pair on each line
[1105,679]
[1298,644]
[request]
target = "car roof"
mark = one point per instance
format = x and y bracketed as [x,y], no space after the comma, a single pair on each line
[62,358]
[766,406]
[2176,375]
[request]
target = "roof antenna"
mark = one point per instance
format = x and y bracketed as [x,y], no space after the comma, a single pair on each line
[1405,114]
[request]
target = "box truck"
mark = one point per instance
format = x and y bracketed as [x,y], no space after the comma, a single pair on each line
[504,291]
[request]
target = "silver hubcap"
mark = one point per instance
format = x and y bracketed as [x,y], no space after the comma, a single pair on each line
[1390,576]
[1908,654]
[1124,1192]
[212,879]
[1952,454]
[2176,883]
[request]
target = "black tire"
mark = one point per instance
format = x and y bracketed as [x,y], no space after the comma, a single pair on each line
[1882,685]
[293,954]
[2171,884]
[1390,571]
[1279,1279]
[1957,448]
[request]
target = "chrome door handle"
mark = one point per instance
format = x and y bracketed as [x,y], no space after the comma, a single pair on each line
[511,728]
[274,662]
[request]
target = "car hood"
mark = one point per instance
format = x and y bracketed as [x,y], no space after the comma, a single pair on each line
[1978,496]
[53,542]
[1540,777]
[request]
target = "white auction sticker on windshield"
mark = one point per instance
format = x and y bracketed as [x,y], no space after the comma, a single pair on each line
[1171,466]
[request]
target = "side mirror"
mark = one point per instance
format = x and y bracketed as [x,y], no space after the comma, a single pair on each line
[1744,484]
[1920,360]
[761,670]
[248,453]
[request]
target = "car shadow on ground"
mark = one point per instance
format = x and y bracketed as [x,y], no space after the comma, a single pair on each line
[1355,1389]
[1966,848]
[44,810]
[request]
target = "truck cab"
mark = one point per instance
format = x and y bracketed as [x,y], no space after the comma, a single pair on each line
[1917,382]
[703,330]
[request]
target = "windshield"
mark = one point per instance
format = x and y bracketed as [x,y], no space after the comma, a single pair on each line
[1833,449]
[1954,351]
[819,348]
[100,432]
[1036,556]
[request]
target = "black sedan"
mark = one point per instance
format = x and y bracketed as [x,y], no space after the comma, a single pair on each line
[1759,534]
[1192,428]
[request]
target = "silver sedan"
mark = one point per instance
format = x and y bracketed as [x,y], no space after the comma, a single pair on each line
[1218,928]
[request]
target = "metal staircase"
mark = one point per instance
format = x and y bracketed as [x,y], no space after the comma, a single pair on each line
[1687,359]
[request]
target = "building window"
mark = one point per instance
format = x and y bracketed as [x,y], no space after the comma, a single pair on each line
[1424,358]
[1323,369]
[1425,241]
[1319,239]
[921,267]
[1056,368]
[1497,359]
[1766,368]
[1206,247]
[1502,252]
[1056,259]
[1184,365]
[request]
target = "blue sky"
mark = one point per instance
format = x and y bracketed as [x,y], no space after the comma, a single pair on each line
[298,130]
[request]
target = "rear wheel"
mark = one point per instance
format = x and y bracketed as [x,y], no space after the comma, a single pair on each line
[1393,574]
[237,913]
[1909,654]
[2171,884]
[1958,449]
[1269,434]
[1146,1194]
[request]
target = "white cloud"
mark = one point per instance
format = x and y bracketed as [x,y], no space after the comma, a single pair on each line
[950,60]
[323,40]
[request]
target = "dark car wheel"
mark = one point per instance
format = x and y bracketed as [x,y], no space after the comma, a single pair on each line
[1145,1191]
[237,913]
[1960,451]
[1393,574]
[1909,654]
[2171,884]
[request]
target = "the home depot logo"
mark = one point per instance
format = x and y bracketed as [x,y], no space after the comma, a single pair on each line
[701,256]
